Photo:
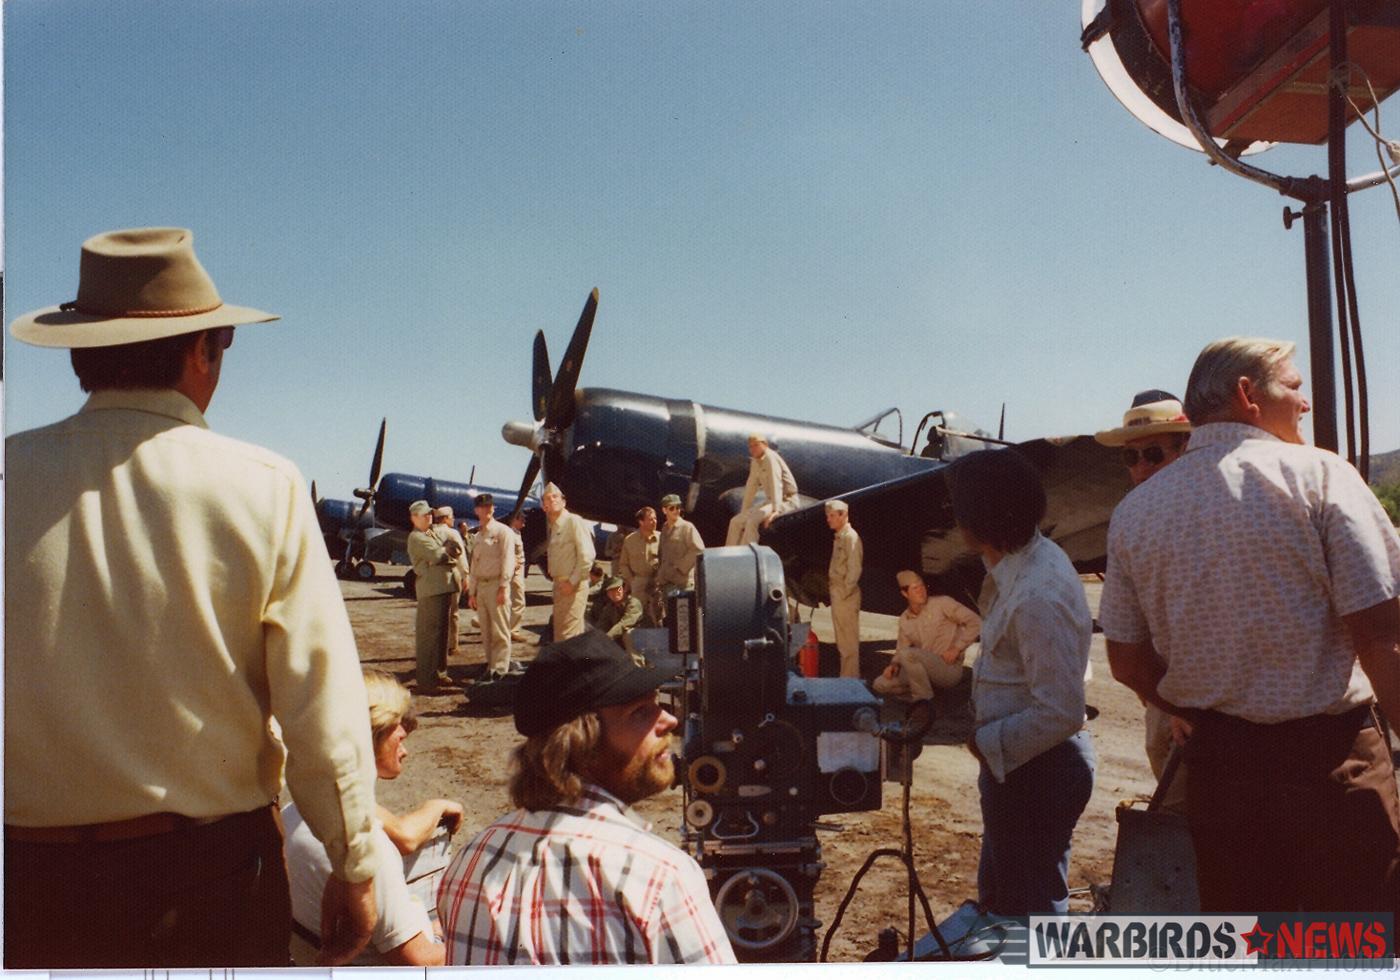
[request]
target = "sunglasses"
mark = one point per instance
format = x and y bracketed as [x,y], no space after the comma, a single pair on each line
[1155,455]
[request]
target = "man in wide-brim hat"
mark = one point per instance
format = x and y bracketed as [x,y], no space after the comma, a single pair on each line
[167,595]
[1153,434]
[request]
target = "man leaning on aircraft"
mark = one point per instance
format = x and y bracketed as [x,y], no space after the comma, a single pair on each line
[167,594]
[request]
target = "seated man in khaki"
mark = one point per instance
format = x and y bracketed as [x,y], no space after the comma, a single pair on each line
[934,634]
[619,614]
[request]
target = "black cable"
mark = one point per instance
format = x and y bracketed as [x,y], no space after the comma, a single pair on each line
[1337,180]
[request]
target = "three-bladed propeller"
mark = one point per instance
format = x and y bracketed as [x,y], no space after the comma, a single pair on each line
[552,401]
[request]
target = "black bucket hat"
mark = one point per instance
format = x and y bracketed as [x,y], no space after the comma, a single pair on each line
[576,676]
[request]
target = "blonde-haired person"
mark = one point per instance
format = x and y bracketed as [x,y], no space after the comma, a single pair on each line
[405,934]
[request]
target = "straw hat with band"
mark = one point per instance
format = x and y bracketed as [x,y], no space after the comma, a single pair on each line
[1153,412]
[135,285]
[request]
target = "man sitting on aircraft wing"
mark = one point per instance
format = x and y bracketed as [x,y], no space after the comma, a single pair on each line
[934,634]
[767,472]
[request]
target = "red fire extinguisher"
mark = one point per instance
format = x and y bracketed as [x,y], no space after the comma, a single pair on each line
[809,657]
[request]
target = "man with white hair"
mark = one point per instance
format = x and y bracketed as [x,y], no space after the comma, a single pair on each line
[768,472]
[1253,587]
[843,585]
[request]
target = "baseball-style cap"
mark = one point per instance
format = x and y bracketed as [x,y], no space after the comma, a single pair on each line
[420,507]
[671,500]
[576,676]
[484,500]
[907,578]
[837,506]
[613,582]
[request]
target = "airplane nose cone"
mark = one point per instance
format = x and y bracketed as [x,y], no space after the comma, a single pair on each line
[521,434]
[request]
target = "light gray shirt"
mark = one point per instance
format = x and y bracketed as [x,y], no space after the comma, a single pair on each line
[1028,683]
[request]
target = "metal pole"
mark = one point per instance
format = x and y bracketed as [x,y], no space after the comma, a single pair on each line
[1319,272]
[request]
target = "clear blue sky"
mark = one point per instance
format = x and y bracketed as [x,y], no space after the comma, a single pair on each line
[814,210]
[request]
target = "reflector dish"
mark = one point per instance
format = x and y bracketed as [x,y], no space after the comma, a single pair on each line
[1126,91]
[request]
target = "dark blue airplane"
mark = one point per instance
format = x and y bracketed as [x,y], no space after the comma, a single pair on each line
[357,534]
[612,452]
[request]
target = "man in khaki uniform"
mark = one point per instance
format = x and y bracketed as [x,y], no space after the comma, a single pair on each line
[517,581]
[442,527]
[493,566]
[438,586]
[571,553]
[680,546]
[934,634]
[618,615]
[637,564]
[843,582]
[767,472]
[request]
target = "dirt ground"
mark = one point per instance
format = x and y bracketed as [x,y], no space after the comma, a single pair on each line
[462,753]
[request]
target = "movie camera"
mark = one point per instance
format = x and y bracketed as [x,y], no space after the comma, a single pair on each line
[765,752]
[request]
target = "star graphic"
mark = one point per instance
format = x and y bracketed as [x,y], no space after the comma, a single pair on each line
[1257,940]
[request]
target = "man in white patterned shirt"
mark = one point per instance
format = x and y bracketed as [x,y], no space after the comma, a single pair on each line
[1252,588]
[573,875]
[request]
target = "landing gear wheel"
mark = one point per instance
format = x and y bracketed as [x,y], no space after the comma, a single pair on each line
[343,569]
[364,571]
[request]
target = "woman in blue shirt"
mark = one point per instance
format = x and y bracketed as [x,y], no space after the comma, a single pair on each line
[1037,760]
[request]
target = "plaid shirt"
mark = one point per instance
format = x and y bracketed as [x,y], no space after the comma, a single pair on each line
[582,884]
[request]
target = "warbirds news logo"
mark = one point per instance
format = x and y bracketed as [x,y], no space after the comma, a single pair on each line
[1258,940]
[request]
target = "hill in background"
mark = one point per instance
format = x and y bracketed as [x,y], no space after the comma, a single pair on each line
[1385,468]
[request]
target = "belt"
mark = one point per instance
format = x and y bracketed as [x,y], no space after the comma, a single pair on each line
[147,825]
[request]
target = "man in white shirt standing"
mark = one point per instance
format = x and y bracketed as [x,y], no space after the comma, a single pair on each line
[1252,588]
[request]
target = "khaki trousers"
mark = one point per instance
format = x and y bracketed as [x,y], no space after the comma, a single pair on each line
[1159,746]
[517,599]
[745,525]
[453,626]
[845,620]
[430,636]
[568,612]
[494,619]
[920,671]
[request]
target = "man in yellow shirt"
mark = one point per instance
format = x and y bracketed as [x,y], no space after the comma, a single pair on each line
[167,595]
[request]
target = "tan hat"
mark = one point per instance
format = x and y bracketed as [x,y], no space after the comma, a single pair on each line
[419,508]
[551,488]
[907,578]
[837,506]
[134,285]
[443,511]
[1153,412]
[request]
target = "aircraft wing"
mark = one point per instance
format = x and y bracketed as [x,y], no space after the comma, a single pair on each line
[908,523]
